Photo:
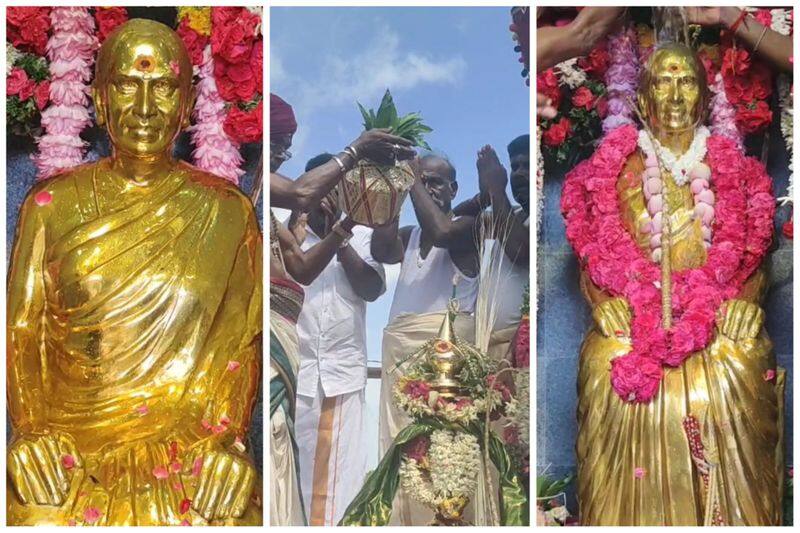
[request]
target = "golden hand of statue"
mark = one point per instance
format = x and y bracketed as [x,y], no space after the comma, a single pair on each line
[613,317]
[41,467]
[741,320]
[226,483]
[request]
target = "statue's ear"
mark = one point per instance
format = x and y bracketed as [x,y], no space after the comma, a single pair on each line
[190,101]
[99,105]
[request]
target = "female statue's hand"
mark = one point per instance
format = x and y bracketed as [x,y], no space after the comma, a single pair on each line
[41,467]
[741,320]
[226,483]
[613,318]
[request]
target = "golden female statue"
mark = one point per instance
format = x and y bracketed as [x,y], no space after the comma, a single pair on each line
[134,319]
[705,446]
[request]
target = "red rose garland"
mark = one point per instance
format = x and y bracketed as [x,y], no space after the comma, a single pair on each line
[27,28]
[742,233]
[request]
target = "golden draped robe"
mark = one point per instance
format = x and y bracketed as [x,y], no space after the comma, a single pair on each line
[134,327]
[634,461]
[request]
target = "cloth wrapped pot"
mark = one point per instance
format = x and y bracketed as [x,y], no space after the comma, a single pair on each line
[372,195]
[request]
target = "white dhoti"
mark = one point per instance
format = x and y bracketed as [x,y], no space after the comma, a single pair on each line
[402,337]
[333,460]
[285,507]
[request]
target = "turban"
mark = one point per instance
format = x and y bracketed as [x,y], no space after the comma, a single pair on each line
[281,116]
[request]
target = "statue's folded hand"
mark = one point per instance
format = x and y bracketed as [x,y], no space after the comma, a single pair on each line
[41,467]
[613,317]
[226,483]
[741,320]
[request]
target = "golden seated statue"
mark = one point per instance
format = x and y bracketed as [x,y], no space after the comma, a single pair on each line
[636,462]
[134,319]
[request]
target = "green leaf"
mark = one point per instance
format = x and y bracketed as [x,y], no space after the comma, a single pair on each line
[408,127]
[367,117]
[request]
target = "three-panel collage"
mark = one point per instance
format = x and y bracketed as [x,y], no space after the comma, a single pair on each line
[376,372]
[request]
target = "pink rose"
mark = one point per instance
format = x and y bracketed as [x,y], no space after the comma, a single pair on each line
[635,378]
[417,389]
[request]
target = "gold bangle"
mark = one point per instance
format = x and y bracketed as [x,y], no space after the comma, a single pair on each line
[758,42]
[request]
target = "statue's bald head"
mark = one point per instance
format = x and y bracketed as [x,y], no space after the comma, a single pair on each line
[673,93]
[143,90]
[142,38]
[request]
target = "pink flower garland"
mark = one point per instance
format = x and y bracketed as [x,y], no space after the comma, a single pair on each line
[71,52]
[214,151]
[723,114]
[622,78]
[742,234]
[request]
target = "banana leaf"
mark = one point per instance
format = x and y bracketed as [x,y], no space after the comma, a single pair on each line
[372,506]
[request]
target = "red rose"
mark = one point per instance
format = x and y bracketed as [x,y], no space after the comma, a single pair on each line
[764,17]
[233,33]
[257,64]
[195,43]
[788,228]
[601,105]
[18,83]
[583,97]
[547,84]
[417,389]
[27,28]
[236,81]
[245,126]
[557,133]
[41,94]
[107,19]
[753,118]
[761,81]
[735,62]
[596,63]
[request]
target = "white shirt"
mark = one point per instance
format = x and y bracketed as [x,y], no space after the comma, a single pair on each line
[426,285]
[508,285]
[332,325]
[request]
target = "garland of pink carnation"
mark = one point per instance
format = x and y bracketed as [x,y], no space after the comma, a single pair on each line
[71,52]
[214,151]
[742,233]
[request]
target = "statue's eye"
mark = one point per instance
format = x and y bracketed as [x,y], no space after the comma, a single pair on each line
[163,88]
[688,81]
[126,86]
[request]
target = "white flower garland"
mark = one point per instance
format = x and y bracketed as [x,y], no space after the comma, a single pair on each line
[787,126]
[448,411]
[539,180]
[452,469]
[679,167]
[570,74]
[689,166]
[518,410]
[12,56]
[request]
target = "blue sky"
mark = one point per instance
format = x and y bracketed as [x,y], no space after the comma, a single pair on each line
[456,66]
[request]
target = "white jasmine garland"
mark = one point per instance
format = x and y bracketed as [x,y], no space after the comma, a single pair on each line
[570,74]
[787,125]
[678,167]
[781,21]
[452,469]
[12,55]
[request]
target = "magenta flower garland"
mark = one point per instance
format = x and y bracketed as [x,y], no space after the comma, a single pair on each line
[742,232]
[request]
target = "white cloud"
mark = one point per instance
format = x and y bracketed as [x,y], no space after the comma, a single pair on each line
[363,75]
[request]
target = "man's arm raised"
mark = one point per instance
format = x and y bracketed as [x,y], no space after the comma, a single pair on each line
[308,190]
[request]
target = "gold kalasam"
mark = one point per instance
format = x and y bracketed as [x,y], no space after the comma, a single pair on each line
[634,461]
[372,195]
[134,319]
